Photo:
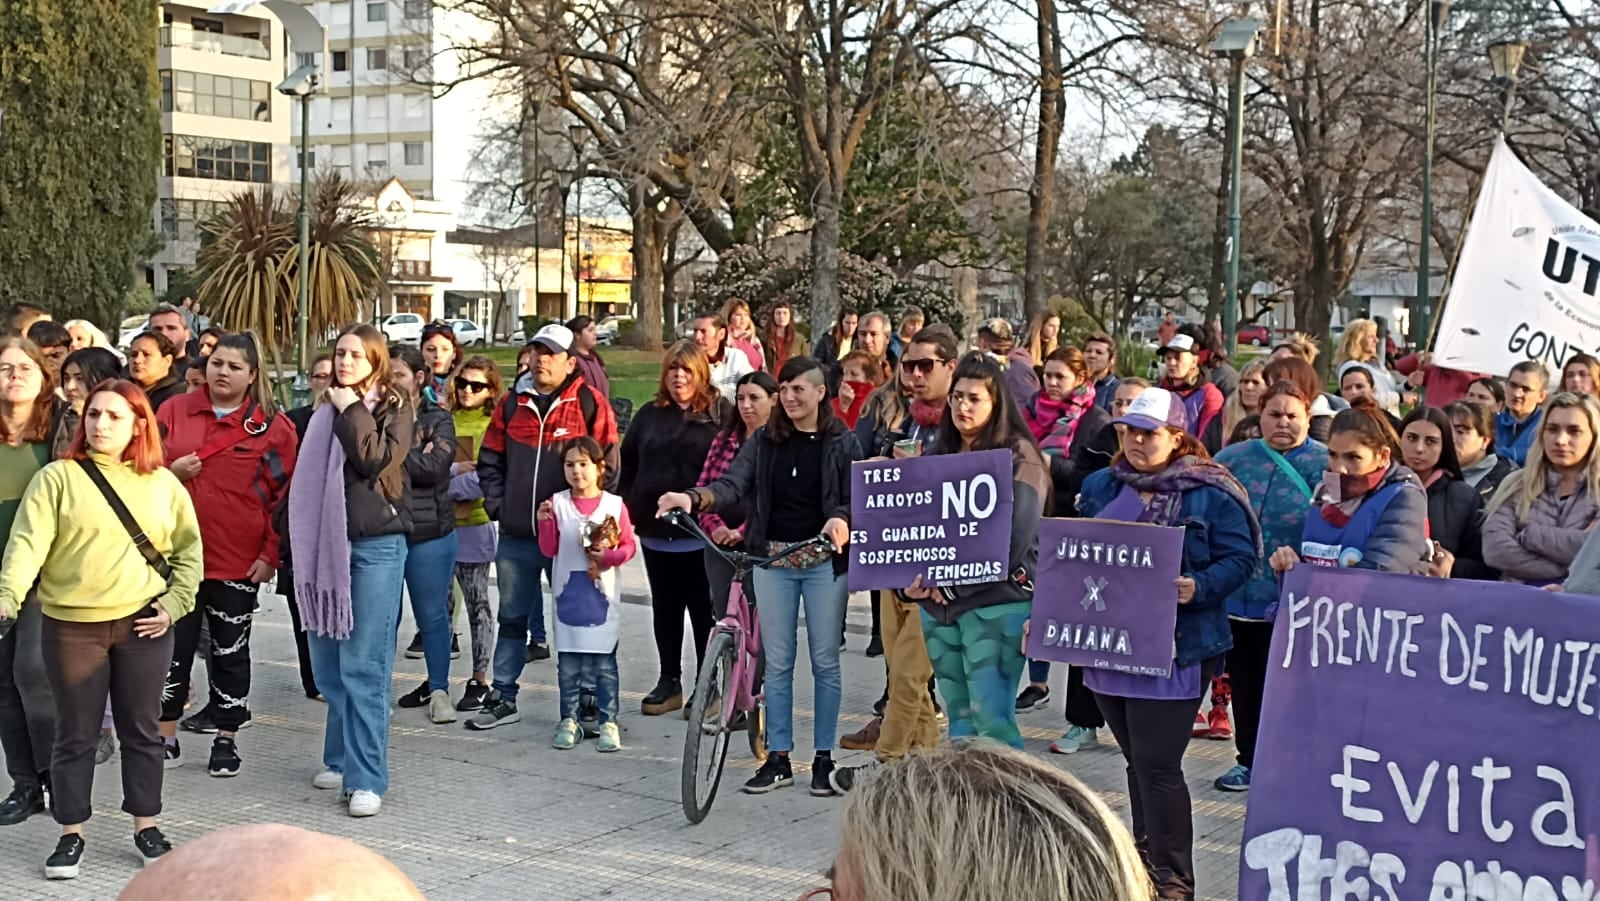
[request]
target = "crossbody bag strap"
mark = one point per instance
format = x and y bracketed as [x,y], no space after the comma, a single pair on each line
[140,539]
[1282,463]
[247,428]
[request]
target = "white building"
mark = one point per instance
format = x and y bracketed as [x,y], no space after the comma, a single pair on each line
[224,126]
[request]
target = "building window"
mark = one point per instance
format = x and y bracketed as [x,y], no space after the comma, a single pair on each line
[341,61]
[377,158]
[378,109]
[416,106]
[416,9]
[215,95]
[209,26]
[181,219]
[416,58]
[310,159]
[195,157]
[341,109]
[413,154]
[378,11]
[377,59]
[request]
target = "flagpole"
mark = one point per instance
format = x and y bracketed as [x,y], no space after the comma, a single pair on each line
[1455,255]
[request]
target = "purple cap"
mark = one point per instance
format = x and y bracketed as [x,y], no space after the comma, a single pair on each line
[1155,408]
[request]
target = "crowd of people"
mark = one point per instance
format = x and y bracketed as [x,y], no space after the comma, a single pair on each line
[416,471]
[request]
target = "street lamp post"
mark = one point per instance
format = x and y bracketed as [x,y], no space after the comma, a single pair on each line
[577,133]
[1236,43]
[1438,11]
[1506,58]
[563,185]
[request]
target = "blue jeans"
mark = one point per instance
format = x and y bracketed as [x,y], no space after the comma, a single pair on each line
[429,568]
[518,563]
[576,672]
[353,673]
[779,596]
[1038,671]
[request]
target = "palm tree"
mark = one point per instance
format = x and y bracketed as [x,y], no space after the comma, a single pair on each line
[249,263]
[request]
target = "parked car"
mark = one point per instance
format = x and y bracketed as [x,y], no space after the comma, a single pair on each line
[468,333]
[1256,335]
[402,328]
[606,329]
[130,328]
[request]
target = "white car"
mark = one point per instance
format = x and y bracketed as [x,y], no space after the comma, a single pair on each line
[606,329]
[131,328]
[468,334]
[402,328]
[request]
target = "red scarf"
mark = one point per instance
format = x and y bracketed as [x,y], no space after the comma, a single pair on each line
[925,414]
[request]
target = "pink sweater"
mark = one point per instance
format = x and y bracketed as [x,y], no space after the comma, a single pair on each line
[550,535]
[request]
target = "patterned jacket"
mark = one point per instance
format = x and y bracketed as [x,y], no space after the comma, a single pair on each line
[1280,506]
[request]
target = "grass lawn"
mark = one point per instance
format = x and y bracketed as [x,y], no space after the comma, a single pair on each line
[634,373]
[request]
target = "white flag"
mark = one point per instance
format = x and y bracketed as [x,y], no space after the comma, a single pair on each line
[1526,286]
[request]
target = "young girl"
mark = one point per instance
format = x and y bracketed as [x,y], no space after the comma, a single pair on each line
[860,378]
[586,605]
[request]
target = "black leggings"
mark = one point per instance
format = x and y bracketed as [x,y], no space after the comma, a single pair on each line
[1082,708]
[1153,736]
[678,583]
[1247,671]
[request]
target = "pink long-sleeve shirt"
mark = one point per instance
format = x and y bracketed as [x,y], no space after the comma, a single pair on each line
[627,546]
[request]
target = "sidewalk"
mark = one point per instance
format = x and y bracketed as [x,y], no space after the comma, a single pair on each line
[501,814]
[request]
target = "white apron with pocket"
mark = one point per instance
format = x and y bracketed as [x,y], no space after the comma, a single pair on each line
[586,609]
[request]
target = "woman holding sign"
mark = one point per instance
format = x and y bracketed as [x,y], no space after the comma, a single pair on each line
[1541,515]
[1277,471]
[797,470]
[1165,477]
[974,632]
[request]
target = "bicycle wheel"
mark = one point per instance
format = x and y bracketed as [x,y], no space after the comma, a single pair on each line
[705,741]
[756,730]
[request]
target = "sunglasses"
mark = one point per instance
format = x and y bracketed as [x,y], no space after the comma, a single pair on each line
[924,366]
[471,386]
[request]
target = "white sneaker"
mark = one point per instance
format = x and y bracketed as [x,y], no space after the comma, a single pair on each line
[365,804]
[327,780]
[440,710]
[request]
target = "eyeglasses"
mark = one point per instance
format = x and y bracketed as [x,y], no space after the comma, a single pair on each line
[923,366]
[817,894]
[469,385]
[17,370]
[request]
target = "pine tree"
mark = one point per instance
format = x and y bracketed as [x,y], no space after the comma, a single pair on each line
[80,144]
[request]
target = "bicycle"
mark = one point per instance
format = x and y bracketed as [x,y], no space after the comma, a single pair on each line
[726,686]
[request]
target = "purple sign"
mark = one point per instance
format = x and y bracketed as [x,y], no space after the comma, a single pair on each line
[1426,739]
[1103,596]
[946,518]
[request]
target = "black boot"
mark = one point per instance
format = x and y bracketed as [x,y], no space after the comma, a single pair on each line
[666,697]
[23,802]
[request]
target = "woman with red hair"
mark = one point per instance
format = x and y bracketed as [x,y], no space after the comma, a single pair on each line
[109,601]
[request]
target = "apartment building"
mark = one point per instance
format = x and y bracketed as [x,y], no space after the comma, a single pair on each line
[224,126]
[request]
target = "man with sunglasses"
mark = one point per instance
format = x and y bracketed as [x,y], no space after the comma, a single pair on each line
[519,468]
[909,719]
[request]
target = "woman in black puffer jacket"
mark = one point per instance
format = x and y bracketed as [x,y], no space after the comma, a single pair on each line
[431,547]
[1455,510]
[664,449]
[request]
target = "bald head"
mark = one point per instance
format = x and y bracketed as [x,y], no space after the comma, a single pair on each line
[270,861]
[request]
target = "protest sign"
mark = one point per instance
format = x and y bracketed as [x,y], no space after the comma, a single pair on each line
[946,518]
[1528,277]
[1426,739]
[1103,595]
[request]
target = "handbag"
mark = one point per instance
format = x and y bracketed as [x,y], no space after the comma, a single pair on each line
[140,540]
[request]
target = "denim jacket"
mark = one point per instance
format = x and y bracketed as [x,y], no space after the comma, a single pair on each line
[1219,553]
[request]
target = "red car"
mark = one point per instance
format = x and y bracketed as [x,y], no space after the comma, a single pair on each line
[1255,335]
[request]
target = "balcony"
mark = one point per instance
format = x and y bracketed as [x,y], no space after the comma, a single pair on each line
[187,38]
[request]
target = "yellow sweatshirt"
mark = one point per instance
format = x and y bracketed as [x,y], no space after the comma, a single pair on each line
[67,537]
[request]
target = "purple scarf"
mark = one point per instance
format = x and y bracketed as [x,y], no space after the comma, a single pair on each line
[319,531]
[1183,474]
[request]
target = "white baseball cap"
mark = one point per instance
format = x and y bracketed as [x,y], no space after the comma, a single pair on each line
[554,336]
[1181,342]
[1154,408]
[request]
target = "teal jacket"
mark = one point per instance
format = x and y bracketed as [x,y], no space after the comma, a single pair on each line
[1281,507]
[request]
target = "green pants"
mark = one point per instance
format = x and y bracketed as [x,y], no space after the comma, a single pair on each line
[978,661]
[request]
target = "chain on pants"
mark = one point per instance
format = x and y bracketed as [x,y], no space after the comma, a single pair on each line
[227,608]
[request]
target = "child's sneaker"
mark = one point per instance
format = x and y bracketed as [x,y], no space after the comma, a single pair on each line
[610,739]
[568,734]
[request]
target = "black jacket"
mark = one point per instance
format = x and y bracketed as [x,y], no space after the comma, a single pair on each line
[164,390]
[428,469]
[1490,483]
[1455,520]
[664,450]
[375,446]
[1095,443]
[751,471]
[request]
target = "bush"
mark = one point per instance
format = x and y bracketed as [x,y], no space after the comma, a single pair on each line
[532,324]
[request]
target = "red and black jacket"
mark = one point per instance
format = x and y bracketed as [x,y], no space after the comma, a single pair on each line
[247,460]
[519,464]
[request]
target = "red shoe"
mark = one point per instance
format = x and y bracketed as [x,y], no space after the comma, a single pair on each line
[1219,728]
[1202,728]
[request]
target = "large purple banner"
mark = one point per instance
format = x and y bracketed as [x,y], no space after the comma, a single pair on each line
[1103,596]
[1426,739]
[945,518]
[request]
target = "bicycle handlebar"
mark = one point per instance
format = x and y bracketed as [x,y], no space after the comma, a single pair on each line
[688,523]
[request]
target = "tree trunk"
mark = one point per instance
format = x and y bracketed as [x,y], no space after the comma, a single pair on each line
[1041,194]
[648,271]
[825,262]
